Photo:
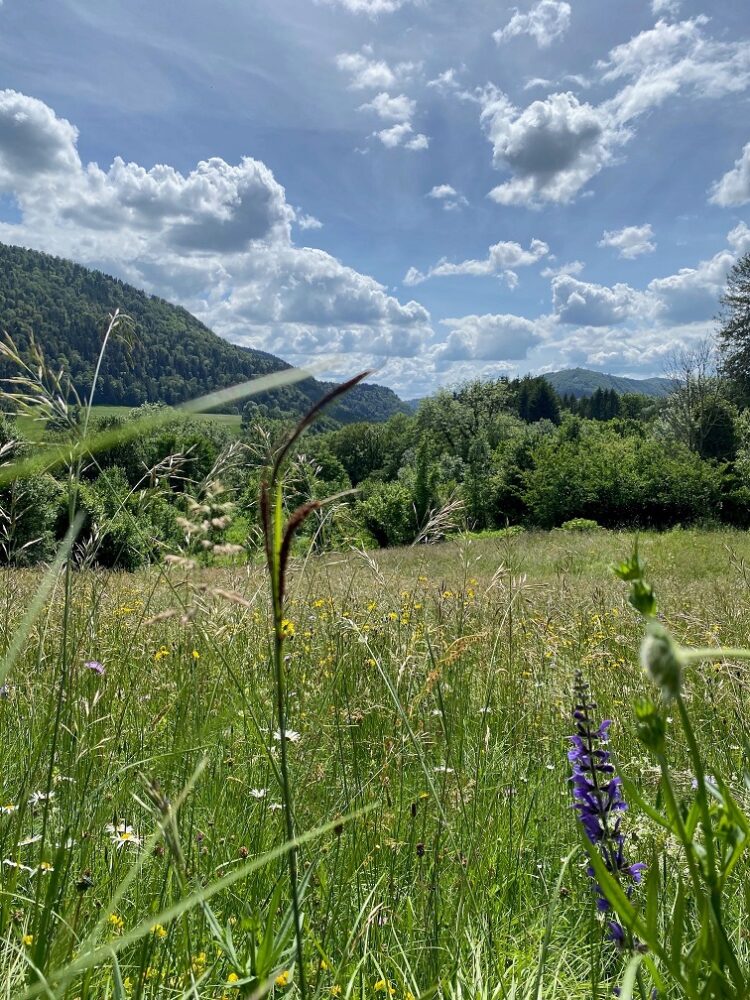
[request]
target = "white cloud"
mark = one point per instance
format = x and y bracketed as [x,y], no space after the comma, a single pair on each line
[630,242]
[552,148]
[665,6]
[490,337]
[371,7]
[546,22]
[217,240]
[670,59]
[366,72]
[734,187]
[447,195]
[420,141]
[501,259]
[581,303]
[573,267]
[402,135]
[307,221]
[393,109]
[536,81]
[445,81]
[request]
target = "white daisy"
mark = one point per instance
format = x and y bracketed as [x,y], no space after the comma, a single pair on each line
[291,735]
[122,835]
[258,793]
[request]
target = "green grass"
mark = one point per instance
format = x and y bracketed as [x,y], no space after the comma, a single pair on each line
[429,686]
[34,431]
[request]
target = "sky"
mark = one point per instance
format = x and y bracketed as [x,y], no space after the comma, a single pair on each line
[436,189]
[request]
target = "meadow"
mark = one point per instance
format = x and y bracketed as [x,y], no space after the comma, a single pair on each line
[429,703]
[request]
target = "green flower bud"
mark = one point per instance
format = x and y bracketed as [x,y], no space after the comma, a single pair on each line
[650,725]
[662,659]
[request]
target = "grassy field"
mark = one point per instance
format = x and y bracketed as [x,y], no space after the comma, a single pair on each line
[34,431]
[430,687]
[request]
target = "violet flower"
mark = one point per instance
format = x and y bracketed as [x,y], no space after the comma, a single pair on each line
[598,799]
[95,667]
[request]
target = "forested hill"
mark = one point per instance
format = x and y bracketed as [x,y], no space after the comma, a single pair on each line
[582,382]
[169,356]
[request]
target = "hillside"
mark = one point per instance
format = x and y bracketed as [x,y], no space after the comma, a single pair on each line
[168,357]
[583,382]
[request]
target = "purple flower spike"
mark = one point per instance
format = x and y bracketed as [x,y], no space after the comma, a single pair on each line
[95,667]
[598,800]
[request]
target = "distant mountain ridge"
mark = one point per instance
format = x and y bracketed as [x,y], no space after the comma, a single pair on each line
[170,357]
[581,382]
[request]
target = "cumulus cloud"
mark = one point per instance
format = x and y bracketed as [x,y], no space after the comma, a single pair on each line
[555,146]
[402,135]
[502,337]
[630,242]
[393,109]
[734,187]
[665,6]
[366,72]
[552,147]
[216,239]
[584,304]
[546,22]
[501,259]
[448,197]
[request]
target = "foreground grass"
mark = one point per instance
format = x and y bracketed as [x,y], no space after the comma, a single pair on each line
[429,686]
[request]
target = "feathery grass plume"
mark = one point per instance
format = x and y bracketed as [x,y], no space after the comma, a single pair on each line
[599,802]
[278,536]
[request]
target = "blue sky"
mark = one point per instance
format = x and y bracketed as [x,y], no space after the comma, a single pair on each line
[439,190]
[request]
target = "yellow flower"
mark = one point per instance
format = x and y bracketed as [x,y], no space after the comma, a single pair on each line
[336,990]
[199,962]
[283,978]
[158,931]
[116,922]
[383,986]
[28,940]
[196,655]
[233,977]
[324,965]
[287,628]
[161,653]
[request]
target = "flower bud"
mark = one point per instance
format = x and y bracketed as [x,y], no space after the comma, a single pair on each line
[650,725]
[662,660]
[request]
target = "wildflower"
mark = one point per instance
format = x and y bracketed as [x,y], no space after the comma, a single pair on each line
[597,795]
[233,977]
[283,978]
[383,986]
[122,835]
[95,667]
[116,922]
[158,931]
[10,863]
[199,963]
[287,628]
[196,655]
[38,797]
[161,653]
[8,809]
[335,990]
[258,793]
[28,940]
[275,806]
[290,735]
[45,868]
[28,841]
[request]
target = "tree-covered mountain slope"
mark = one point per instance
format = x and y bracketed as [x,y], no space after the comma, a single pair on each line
[167,356]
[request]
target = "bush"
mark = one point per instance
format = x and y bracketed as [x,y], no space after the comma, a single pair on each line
[388,514]
[581,524]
